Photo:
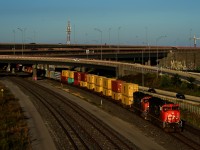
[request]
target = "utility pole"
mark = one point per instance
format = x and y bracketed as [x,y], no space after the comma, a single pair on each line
[195,41]
[68,32]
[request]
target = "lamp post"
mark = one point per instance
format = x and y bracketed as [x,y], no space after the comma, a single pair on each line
[109,36]
[22,31]
[160,37]
[142,69]
[149,55]
[101,39]
[14,42]
[118,43]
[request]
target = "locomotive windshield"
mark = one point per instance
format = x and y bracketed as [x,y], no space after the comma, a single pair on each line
[170,108]
[146,100]
[175,108]
[167,108]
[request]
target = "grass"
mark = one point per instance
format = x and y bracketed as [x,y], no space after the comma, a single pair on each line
[14,133]
[190,117]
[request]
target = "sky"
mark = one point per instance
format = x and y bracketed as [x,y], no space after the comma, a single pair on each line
[124,22]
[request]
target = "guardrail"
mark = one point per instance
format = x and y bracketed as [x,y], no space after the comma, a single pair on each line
[185,104]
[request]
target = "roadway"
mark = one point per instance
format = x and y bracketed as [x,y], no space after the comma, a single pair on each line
[120,67]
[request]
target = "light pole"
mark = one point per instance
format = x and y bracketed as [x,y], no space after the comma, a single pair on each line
[149,55]
[118,43]
[109,36]
[160,37]
[22,31]
[142,69]
[101,39]
[14,42]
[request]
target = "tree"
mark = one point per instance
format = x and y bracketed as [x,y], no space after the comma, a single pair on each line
[191,84]
[165,81]
[176,80]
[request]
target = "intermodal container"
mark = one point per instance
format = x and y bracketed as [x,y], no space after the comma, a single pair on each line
[107,92]
[127,100]
[129,88]
[71,74]
[57,75]
[99,80]
[52,74]
[51,67]
[117,86]
[91,78]
[83,76]
[107,83]
[46,73]
[116,96]
[70,80]
[76,82]
[64,79]
[29,69]
[91,86]
[65,73]
[77,76]
[98,89]
[83,84]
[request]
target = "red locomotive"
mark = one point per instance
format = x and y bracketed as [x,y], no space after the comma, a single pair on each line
[141,104]
[165,114]
[161,112]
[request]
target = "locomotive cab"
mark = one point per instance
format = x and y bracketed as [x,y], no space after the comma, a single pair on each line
[170,116]
[164,113]
[145,107]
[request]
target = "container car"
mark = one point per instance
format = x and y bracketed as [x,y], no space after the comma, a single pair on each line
[83,77]
[117,86]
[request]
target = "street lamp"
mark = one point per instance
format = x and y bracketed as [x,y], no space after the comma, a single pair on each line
[101,39]
[22,31]
[160,37]
[142,69]
[14,42]
[118,43]
[109,36]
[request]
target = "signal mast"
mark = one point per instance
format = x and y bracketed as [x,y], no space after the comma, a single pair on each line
[68,32]
[195,40]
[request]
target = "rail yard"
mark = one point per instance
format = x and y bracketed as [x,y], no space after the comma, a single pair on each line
[187,139]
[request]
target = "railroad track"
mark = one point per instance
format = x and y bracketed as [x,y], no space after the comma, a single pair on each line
[191,143]
[73,127]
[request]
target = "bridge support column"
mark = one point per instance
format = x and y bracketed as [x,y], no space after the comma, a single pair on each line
[119,71]
[8,68]
[82,69]
[13,70]
[34,72]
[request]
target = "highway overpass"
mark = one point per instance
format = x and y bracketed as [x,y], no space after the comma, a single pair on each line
[182,57]
[121,68]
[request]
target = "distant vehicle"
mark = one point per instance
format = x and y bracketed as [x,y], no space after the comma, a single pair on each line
[152,90]
[76,59]
[179,95]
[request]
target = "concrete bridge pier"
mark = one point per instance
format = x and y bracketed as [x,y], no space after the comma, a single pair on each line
[82,69]
[8,68]
[120,71]
[34,72]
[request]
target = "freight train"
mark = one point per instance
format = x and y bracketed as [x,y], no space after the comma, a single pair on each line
[161,112]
